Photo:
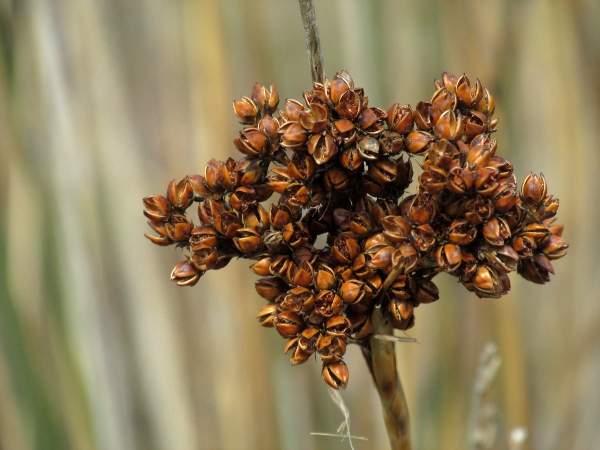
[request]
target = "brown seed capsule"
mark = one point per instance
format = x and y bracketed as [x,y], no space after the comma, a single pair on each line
[404,287]
[351,103]
[246,110]
[352,291]
[466,94]
[422,209]
[298,299]
[327,304]
[448,257]
[178,228]
[314,120]
[391,143]
[478,210]
[325,279]
[227,224]
[300,274]
[292,134]
[341,82]
[293,109]
[336,179]
[533,189]
[432,181]
[338,326]
[267,314]
[180,194]
[331,348]
[449,126]
[368,148]
[524,246]
[345,249]
[486,282]
[270,288]
[555,247]
[462,232]
[426,115]
[360,325]
[405,258]
[496,231]
[308,340]
[185,274]
[157,207]
[503,259]
[400,118]
[427,291]
[262,267]
[401,312]
[418,142]
[288,324]
[336,375]
[536,269]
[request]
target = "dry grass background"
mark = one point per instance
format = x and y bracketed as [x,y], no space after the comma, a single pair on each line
[104,102]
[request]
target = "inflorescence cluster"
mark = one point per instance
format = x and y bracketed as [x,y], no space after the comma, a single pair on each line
[337,167]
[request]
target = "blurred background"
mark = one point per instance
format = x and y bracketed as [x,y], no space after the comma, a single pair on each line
[103,102]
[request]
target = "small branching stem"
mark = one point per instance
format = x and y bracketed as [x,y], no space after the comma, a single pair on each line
[313,45]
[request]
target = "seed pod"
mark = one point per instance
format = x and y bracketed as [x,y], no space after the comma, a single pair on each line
[368,148]
[404,287]
[433,181]
[302,166]
[262,267]
[536,269]
[345,249]
[449,126]
[352,291]
[288,324]
[325,279]
[391,143]
[448,257]
[338,326]
[361,266]
[300,274]
[331,348]
[351,103]
[418,142]
[555,247]
[503,259]
[486,282]
[466,94]
[314,120]
[298,299]
[293,135]
[422,209]
[477,210]
[270,288]
[400,118]
[336,375]
[308,340]
[227,224]
[427,291]
[157,207]
[267,100]
[462,232]
[443,99]
[459,180]
[267,314]
[426,115]
[255,217]
[178,228]
[405,258]
[524,246]
[341,82]
[496,231]
[180,194]
[384,170]
[335,179]
[533,189]
[360,325]
[293,109]
[327,304]
[246,110]
[401,312]
[185,274]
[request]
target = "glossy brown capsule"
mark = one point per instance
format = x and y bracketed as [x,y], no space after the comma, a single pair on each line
[336,375]
[288,324]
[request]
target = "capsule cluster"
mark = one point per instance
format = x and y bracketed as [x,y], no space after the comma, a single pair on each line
[334,166]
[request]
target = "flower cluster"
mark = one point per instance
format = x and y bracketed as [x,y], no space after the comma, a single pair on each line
[339,168]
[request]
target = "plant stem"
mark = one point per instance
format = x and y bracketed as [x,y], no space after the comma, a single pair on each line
[313,45]
[380,356]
